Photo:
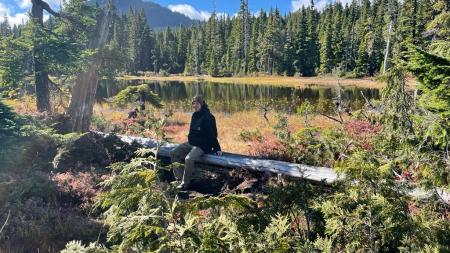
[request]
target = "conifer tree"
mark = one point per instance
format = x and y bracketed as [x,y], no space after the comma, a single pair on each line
[326,54]
[312,53]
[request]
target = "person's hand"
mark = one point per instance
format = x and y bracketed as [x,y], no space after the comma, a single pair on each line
[219,153]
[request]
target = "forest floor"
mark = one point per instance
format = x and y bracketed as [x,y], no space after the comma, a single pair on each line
[366,82]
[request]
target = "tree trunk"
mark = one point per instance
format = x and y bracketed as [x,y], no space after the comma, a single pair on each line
[40,73]
[386,51]
[83,93]
[82,101]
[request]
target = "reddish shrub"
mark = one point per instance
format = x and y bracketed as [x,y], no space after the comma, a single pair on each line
[269,148]
[81,185]
[362,127]
[363,132]
[35,225]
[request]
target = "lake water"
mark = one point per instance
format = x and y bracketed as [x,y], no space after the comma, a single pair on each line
[231,98]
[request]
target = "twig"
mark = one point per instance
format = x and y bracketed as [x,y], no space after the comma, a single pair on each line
[265,108]
[443,200]
[332,118]
[367,101]
[6,222]
[57,87]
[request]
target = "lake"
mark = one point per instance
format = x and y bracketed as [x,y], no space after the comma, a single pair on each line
[231,98]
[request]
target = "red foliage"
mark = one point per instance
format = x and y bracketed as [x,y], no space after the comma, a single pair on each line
[269,148]
[81,185]
[363,132]
[203,214]
[362,127]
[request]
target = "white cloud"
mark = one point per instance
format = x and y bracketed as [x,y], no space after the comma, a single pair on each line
[320,4]
[55,4]
[26,4]
[222,14]
[190,11]
[297,4]
[344,2]
[23,4]
[3,9]
[23,17]
[18,18]
[15,19]
[255,13]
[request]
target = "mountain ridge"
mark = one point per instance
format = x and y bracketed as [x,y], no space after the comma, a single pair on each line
[157,16]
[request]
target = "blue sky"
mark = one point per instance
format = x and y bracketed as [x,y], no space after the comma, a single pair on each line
[16,10]
[231,6]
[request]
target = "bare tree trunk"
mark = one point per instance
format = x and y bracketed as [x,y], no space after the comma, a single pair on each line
[246,36]
[83,93]
[388,45]
[40,73]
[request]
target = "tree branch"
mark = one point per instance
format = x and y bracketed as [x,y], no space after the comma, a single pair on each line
[47,7]
[367,101]
[57,87]
[6,221]
[332,118]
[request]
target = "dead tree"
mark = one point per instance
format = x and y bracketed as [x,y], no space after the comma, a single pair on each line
[39,66]
[83,93]
[265,108]
[340,107]
[40,71]
[388,48]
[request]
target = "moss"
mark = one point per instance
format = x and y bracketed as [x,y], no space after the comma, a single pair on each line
[84,151]
[91,150]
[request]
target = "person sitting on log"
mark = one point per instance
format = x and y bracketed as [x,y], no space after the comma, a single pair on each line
[202,139]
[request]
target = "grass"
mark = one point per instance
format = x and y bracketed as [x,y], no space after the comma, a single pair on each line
[229,126]
[329,81]
[24,106]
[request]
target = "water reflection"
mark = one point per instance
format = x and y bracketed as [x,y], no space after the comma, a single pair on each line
[240,97]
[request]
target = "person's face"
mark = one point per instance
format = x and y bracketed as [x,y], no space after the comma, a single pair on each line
[197,106]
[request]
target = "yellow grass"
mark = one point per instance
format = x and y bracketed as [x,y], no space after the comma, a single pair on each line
[24,106]
[269,80]
[229,126]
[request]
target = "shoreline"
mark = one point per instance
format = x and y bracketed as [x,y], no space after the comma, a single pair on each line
[298,82]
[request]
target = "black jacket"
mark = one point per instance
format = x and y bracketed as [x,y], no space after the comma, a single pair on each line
[203,131]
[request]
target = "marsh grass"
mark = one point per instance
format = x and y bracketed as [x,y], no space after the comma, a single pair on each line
[328,81]
[229,125]
[108,118]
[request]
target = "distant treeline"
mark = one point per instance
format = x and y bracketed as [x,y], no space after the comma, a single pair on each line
[352,38]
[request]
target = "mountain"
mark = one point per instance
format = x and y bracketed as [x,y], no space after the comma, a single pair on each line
[157,15]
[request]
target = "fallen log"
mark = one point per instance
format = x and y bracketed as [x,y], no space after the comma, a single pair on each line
[232,161]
